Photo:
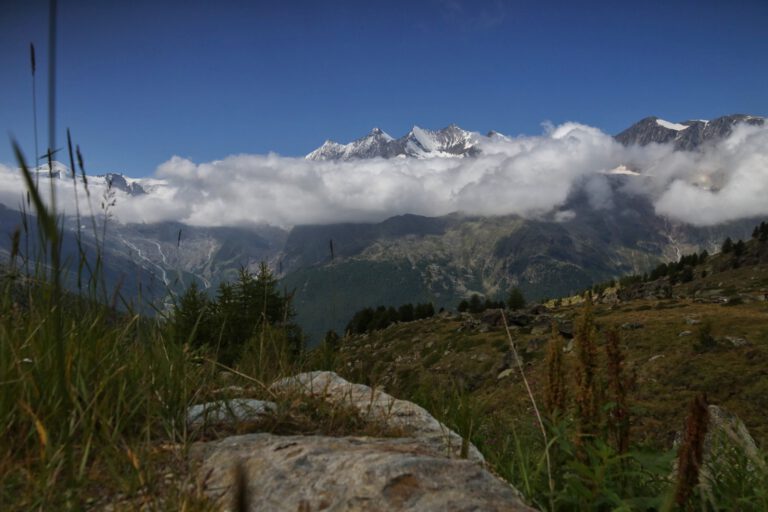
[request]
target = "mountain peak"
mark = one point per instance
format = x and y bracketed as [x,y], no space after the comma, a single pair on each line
[418,143]
[686,135]
[379,133]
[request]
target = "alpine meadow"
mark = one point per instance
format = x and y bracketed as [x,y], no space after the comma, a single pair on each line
[235,275]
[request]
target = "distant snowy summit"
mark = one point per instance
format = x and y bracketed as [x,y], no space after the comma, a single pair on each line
[687,135]
[451,141]
[113,180]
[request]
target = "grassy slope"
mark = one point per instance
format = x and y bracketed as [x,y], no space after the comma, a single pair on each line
[433,354]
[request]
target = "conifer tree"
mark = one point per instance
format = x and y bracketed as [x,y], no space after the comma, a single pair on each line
[192,321]
[516,300]
[738,248]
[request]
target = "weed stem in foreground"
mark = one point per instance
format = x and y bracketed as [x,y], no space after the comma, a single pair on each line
[536,410]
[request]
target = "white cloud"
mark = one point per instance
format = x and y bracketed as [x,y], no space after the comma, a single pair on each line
[523,175]
[724,182]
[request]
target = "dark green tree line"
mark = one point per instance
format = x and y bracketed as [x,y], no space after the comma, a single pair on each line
[239,311]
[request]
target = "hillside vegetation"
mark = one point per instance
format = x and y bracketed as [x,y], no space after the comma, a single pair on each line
[704,335]
[94,400]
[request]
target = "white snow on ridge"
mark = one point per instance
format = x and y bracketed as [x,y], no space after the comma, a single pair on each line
[623,169]
[423,138]
[672,126]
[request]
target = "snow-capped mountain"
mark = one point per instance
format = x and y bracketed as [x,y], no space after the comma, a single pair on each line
[376,143]
[130,186]
[56,170]
[114,180]
[453,141]
[687,135]
[450,141]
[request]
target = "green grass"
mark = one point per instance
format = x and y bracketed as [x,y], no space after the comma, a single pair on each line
[667,369]
[93,401]
[88,396]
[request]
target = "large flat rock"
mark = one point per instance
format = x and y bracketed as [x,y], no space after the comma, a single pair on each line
[312,473]
[375,405]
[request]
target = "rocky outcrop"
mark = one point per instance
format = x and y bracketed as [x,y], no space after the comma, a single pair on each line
[232,411]
[729,449]
[424,471]
[687,135]
[727,433]
[377,406]
[309,473]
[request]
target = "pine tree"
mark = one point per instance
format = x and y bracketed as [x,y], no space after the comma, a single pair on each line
[738,248]
[192,320]
[516,300]
[241,309]
[405,313]
[475,304]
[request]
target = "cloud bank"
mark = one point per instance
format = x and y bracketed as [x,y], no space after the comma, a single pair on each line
[527,176]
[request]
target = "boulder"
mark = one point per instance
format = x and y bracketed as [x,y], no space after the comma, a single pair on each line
[535,344]
[538,309]
[377,406]
[309,473]
[492,317]
[565,327]
[519,318]
[504,374]
[231,411]
[736,341]
[728,443]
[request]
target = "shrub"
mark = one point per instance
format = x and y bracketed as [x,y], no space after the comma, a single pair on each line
[704,340]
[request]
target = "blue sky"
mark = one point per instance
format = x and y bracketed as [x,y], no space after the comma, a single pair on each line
[142,81]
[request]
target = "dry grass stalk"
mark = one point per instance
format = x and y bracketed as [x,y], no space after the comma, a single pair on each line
[555,398]
[618,417]
[587,400]
[241,501]
[690,456]
[550,480]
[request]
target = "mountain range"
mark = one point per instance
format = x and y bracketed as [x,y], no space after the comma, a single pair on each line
[417,143]
[411,258]
[453,141]
[686,135]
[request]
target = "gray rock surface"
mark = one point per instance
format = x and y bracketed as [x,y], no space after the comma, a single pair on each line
[694,134]
[732,432]
[727,443]
[737,341]
[375,405]
[231,411]
[310,473]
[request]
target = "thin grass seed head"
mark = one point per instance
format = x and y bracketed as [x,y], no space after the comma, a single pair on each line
[15,242]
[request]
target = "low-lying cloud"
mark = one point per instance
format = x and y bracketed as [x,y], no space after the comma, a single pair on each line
[528,176]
